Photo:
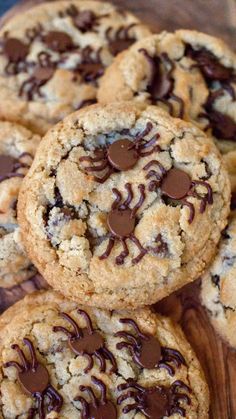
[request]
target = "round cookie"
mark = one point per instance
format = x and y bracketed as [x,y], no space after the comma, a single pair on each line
[123,205]
[79,354]
[17,149]
[218,292]
[53,55]
[191,74]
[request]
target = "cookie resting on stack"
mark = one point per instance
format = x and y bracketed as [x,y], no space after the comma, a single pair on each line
[117,206]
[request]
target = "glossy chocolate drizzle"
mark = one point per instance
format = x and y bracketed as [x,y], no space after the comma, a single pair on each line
[96,408]
[155,402]
[35,381]
[146,350]
[121,222]
[177,185]
[161,83]
[87,342]
[121,155]
[222,125]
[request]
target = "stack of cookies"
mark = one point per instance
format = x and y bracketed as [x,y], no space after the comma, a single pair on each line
[117,152]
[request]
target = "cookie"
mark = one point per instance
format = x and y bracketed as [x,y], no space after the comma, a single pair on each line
[123,205]
[218,292]
[53,55]
[191,74]
[77,362]
[17,149]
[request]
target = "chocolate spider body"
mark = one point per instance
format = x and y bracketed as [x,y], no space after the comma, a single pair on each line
[155,402]
[10,166]
[146,350]
[121,155]
[119,40]
[42,73]
[35,381]
[87,342]
[178,186]
[95,408]
[161,83]
[121,222]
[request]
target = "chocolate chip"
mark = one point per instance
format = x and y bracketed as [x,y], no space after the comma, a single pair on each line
[120,223]
[176,184]
[90,71]
[223,126]
[122,155]
[15,50]
[43,74]
[58,41]
[85,20]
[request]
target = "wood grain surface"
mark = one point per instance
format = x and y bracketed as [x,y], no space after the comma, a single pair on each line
[217,17]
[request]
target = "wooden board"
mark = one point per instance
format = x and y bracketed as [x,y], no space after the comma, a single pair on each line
[217,17]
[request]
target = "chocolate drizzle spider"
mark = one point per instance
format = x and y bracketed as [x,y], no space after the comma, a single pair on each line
[155,402]
[96,408]
[161,83]
[90,67]
[87,342]
[42,73]
[85,20]
[121,222]
[120,39]
[147,351]
[177,185]
[121,155]
[35,381]
[16,52]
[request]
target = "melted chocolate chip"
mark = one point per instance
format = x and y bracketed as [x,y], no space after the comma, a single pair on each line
[176,184]
[90,343]
[209,65]
[122,155]
[90,71]
[43,74]
[15,50]
[35,380]
[223,126]
[120,222]
[58,41]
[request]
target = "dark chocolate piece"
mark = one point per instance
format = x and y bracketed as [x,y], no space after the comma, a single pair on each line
[15,50]
[35,381]
[120,40]
[87,342]
[58,41]
[9,166]
[176,184]
[122,155]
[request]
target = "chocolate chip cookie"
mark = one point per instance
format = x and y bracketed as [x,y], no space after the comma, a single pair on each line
[123,205]
[62,360]
[53,55]
[219,285]
[190,74]
[17,149]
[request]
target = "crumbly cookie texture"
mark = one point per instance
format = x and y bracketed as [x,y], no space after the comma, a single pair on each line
[173,386]
[219,286]
[191,74]
[123,204]
[53,55]
[17,149]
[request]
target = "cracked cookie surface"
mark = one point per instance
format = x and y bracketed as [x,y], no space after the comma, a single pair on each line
[191,74]
[123,204]
[53,55]
[218,292]
[17,149]
[176,384]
